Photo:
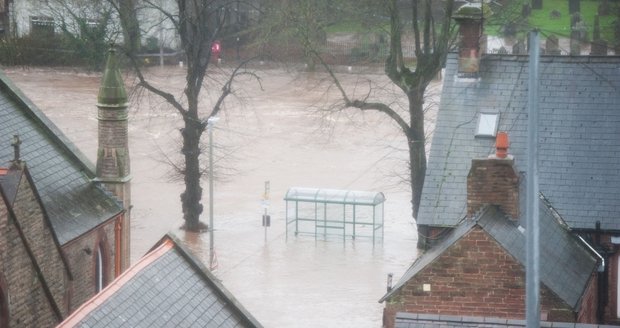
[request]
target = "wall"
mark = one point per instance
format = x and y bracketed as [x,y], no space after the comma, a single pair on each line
[25,292]
[474,277]
[149,18]
[589,303]
[38,232]
[81,253]
[611,309]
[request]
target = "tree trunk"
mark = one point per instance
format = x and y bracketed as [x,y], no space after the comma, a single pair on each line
[130,25]
[192,196]
[417,153]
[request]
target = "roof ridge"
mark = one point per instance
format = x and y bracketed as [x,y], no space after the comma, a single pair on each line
[52,131]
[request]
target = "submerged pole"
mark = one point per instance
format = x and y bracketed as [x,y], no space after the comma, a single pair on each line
[210,123]
[532,274]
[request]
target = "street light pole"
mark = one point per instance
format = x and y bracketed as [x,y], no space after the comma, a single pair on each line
[210,123]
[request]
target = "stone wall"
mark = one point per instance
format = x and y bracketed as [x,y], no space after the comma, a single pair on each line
[38,233]
[81,254]
[28,304]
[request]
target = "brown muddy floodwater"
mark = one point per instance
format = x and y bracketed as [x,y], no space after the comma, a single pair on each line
[277,134]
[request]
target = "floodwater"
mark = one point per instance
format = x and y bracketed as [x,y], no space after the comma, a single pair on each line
[276,131]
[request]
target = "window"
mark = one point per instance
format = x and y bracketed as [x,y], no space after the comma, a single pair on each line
[487,124]
[100,268]
[41,26]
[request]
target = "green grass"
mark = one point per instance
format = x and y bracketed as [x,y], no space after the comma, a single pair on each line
[561,27]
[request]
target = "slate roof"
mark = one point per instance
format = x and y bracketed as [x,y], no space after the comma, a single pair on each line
[566,264]
[166,288]
[579,136]
[61,173]
[414,320]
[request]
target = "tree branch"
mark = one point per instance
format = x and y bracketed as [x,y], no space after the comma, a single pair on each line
[145,84]
[361,104]
[383,108]
[227,88]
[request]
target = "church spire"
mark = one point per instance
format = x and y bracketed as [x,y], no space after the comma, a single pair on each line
[113,153]
[113,169]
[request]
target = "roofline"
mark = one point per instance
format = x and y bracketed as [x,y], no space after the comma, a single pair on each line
[106,221]
[399,285]
[52,130]
[571,229]
[590,230]
[201,269]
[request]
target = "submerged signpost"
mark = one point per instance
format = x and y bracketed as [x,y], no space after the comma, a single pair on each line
[266,216]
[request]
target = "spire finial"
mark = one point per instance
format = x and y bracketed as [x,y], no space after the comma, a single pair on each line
[112,90]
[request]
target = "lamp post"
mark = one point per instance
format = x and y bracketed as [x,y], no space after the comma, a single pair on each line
[210,123]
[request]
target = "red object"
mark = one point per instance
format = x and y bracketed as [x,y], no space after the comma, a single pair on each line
[216,47]
[501,145]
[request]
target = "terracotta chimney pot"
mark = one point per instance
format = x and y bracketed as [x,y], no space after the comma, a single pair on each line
[501,145]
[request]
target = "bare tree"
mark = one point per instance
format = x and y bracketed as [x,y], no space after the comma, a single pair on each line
[432,41]
[199,23]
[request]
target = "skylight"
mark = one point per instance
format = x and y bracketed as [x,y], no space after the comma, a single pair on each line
[487,124]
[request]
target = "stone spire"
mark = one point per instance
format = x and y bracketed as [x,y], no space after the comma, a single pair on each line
[113,152]
[113,169]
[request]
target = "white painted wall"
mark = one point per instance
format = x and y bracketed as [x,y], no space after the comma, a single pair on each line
[152,21]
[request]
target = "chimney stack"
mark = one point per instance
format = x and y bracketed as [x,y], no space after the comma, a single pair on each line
[494,181]
[469,17]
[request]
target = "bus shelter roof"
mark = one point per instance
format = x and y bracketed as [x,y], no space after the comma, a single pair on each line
[347,197]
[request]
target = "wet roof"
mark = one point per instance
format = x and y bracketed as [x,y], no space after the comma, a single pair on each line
[168,287]
[60,171]
[559,250]
[579,136]
[334,196]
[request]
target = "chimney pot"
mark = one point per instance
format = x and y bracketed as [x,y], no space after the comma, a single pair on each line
[501,145]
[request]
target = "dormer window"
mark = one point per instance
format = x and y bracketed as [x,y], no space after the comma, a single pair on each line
[487,124]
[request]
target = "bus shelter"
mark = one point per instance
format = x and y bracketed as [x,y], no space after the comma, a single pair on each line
[327,212]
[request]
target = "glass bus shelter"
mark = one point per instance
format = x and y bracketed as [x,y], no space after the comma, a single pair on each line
[330,212]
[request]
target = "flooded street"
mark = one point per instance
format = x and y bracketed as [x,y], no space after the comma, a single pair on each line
[278,134]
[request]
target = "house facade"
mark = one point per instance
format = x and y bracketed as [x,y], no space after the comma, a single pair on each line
[64,226]
[44,18]
[478,268]
[578,148]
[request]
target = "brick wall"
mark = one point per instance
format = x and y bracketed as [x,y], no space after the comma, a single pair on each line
[493,181]
[474,277]
[611,309]
[589,302]
[81,253]
[28,305]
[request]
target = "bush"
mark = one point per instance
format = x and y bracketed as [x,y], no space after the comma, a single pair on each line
[34,51]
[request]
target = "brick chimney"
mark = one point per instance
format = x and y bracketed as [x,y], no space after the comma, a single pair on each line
[469,17]
[494,181]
